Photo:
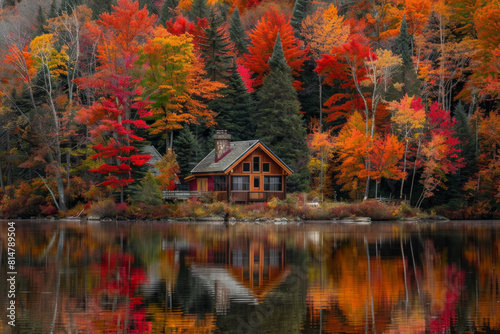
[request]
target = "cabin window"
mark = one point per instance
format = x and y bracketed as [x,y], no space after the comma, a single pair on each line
[256,182]
[220,183]
[272,183]
[256,164]
[240,183]
[265,167]
[246,167]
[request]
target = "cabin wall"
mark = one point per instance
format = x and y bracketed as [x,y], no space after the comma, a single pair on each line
[192,185]
[210,183]
[274,168]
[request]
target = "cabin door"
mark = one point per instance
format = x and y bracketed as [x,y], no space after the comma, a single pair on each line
[202,184]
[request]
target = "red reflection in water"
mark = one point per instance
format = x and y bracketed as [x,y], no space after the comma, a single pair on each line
[443,320]
[116,307]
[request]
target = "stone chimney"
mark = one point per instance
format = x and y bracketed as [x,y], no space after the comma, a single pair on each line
[222,141]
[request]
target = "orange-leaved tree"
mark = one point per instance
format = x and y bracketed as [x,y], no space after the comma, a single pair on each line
[261,47]
[351,148]
[385,159]
[321,144]
[176,83]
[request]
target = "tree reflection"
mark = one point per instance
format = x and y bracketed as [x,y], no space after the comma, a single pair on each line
[165,278]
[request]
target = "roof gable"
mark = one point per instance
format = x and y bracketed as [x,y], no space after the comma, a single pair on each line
[239,150]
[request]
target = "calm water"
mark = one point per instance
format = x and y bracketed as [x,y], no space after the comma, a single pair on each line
[249,278]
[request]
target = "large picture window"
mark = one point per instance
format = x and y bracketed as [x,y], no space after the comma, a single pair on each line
[240,183]
[220,183]
[272,183]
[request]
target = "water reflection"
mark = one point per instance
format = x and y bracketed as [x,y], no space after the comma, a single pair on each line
[182,278]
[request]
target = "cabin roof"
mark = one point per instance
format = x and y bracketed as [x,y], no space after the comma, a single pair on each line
[155,157]
[238,150]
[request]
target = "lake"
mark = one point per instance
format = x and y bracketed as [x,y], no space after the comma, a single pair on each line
[155,277]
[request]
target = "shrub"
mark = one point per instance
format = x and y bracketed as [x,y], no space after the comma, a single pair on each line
[105,208]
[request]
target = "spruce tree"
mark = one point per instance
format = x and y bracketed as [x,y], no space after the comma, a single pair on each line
[405,77]
[69,5]
[199,9]
[298,14]
[236,108]
[215,49]
[40,23]
[281,126]
[53,10]
[101,6]
[237,33]
[186,147]
[150,6]
[168,11]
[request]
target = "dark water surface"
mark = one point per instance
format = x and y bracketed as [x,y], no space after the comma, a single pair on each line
[250,278]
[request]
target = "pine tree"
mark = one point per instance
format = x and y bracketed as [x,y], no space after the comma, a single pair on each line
[215,49]
[236,108]
[237,33]
[280,125]
[69,5]
[150,6]
[53,10]
[40,23]
[299,12]
[101,6]
[464,134]
[405,77]
[199,9]
[168,11]
[186,147]
[148,192]
[403,43]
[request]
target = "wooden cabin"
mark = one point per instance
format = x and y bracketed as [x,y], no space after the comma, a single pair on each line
[241,171]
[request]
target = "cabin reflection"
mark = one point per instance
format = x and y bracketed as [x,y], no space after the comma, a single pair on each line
[241,271]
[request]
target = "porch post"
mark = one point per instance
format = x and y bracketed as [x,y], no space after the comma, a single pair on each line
[228,187]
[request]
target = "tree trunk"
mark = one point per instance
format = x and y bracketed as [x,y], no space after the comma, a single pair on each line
[320,103]
[68,160]
[414,169]
[404,170]
[2,186]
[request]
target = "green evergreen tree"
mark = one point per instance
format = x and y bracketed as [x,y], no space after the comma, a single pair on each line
[40,23]
[281,125]
[215,49]
[69,5]
[198,9]
[237,33]
[101,6]
[298,14]
[168,11]
[187,148]
[152,8]
[403,43]
[405,77]
[9,3]
[148,192]
[53,10]
[236,108]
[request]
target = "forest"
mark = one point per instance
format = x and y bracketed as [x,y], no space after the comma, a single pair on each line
[361,98]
